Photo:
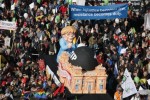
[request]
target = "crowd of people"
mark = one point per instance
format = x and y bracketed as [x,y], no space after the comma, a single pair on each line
[38,33]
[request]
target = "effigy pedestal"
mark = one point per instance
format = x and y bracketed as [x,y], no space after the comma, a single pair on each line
[82,82]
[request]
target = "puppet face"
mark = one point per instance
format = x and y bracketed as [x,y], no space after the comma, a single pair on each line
[69,37]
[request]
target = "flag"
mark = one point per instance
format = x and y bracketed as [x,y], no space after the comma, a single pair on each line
[11,96]
[26,94]
[12,7]
[123,50]
[31,5]
[41,37]
[50,72]
[59,90]
[116,70]
[40,94]
[140,88]
[62,88]
[128,85]
[148,81]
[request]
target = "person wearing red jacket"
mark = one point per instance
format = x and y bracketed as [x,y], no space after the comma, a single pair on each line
[99,58]
[63,9]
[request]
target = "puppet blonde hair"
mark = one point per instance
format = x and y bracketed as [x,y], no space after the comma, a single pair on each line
[68,29]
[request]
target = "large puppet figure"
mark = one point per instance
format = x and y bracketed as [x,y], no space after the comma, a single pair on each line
[66,42]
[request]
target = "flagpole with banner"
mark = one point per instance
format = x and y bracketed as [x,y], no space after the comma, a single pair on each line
[128,85]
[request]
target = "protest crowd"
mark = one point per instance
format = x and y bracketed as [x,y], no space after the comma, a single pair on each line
[118,44]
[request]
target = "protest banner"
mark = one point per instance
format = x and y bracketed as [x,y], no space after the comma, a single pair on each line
[77,12]
[6,25]
[128,85]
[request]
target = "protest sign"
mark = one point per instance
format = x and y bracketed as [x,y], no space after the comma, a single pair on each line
[77,12]
[136,5]
[6,25]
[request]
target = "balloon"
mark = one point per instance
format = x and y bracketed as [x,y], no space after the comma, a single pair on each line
[39,1]
[136,79]
[143,81]
[41,8]
[106,2]
[25,15]
[117,20]
[3,5]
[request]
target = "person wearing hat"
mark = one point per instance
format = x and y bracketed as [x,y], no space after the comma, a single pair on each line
[66,42]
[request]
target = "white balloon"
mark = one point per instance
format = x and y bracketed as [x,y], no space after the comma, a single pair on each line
[117,20]
[3,5]
[25,15]
[41,8]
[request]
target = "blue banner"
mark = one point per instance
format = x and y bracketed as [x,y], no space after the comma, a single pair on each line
[77,12]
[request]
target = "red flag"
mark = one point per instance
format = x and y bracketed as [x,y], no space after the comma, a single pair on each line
[59,90]
[62,88]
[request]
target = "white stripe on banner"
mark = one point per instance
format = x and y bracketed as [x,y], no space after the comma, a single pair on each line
[57,82]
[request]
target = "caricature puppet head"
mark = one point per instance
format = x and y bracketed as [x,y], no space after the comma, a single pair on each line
[68,33]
